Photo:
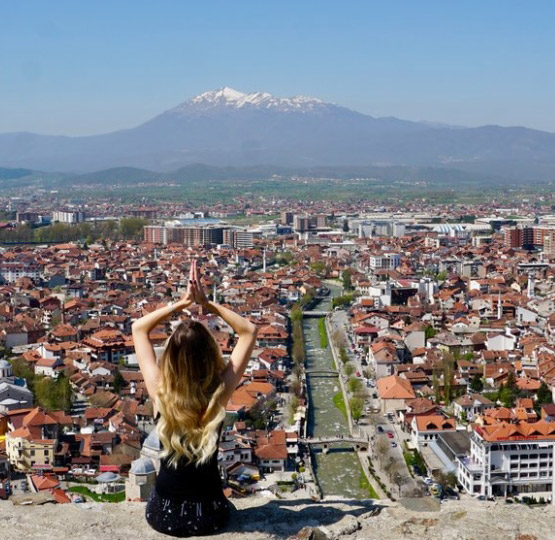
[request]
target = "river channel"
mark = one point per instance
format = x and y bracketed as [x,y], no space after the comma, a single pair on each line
[338,471]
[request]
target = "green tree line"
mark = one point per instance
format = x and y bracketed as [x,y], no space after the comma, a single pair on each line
[125,229]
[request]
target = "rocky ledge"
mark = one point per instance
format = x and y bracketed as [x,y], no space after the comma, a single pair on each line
[264,519]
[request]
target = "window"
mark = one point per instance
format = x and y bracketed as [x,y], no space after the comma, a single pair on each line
[543,456]
[514,456]
[543,464]
[533,456]
[524,475]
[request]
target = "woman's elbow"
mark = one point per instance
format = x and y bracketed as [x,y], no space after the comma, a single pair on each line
[137,328]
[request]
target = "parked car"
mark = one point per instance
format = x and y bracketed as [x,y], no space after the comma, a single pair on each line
[393,444]
[428,481]
[358,373]
[450,493]
[380,429]
[416,470]
[390,435]
[90,471]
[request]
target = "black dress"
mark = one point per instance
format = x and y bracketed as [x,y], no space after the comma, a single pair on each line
[188,500]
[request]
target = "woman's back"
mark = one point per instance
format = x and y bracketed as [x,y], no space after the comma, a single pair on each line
[190,481]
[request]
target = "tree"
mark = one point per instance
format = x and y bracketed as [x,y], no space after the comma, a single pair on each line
[319,268]
[356,405]
[354,385]
[132,228]
[348,369]
[347,284]
[436,387]
[261,412]
[476,384]
[119,381]
[398,479]
[382,447]
[509,392]
[430,332]
[448,367]
[293,406]
[544,395]
[295,387]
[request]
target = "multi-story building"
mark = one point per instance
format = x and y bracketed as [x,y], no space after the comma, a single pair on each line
[189,236]
[386,261]
[549,242]
[286,218]
[155,234]
[147,213]
[301,222]
[71,216]
[12,271]
[509,459]
[518,237]
[239,238]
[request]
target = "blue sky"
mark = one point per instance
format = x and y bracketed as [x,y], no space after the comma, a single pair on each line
[91,67]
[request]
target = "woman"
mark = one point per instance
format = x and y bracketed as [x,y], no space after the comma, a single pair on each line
[190,388]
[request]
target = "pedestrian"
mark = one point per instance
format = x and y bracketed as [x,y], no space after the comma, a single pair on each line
[190,386]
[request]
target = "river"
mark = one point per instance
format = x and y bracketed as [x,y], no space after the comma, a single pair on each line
[339,472]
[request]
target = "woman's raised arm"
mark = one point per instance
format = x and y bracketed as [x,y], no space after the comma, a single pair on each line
[141,329]
[245,330]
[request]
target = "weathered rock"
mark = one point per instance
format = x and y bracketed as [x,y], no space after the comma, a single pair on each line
[265,519]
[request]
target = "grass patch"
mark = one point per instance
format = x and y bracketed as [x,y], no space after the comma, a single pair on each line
[339,402]
[367,486]
[103,497]
[323,333]
[413,458]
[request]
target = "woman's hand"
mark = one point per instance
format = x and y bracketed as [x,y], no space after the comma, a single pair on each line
[189,298]
[197,290]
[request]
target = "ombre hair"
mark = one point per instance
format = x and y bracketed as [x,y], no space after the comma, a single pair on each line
[188,395]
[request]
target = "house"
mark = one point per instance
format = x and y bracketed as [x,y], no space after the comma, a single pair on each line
[393,392]
[466,407]
[425,429]
[382,357]
[271,451]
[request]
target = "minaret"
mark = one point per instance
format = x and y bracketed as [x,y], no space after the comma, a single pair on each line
[499,306]
[214,299]
[530,292]
[264,261]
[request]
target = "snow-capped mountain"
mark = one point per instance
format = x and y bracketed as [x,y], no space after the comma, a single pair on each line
[230,98]
[227,127]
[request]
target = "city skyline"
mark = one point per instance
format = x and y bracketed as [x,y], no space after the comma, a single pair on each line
[76,71]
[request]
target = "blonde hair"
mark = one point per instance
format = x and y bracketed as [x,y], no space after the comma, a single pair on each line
[188,395]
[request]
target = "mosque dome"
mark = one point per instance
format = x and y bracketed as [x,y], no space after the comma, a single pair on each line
[142,465]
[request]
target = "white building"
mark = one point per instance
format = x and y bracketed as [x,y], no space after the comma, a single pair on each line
[12,271]
[510,460]
[386,261]
[73,216]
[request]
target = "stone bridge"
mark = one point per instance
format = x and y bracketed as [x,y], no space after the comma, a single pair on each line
[314,313]
[360,444]
[322,372]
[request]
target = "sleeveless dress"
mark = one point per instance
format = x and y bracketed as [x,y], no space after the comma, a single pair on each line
[188,500]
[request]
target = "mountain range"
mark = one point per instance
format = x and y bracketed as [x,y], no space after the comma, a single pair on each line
[229,128]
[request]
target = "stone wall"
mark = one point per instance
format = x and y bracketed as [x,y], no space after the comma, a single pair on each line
[264,519]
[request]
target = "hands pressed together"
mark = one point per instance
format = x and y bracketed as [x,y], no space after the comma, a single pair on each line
[195,292]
